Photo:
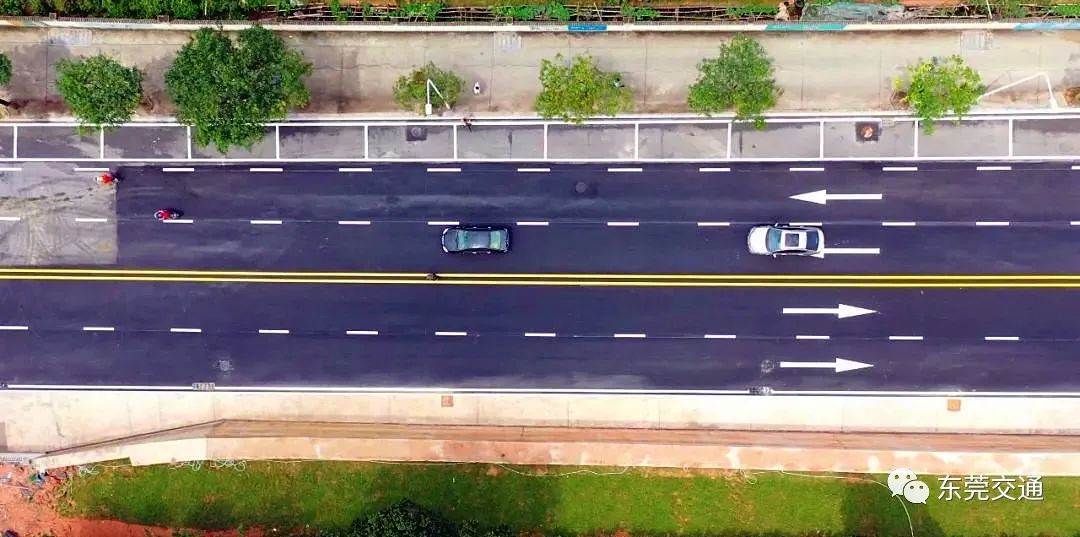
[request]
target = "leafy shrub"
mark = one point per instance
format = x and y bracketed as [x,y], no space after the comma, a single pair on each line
[5,69]
[744,11]
[403,519]
[148,9]
[739,79]
[577,90]
[35,7]
[639,13]
[518,13]
[183,9]
[88,7]
[410,91]
[59,7]
[1066,10]
[11,7]
[339,14]
[427,11]
[937,87]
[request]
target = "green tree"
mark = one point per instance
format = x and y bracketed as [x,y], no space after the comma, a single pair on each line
[938,87]
[410,91]
[229,91]
[99,90]
[739,79]
[403,519]
[579,90]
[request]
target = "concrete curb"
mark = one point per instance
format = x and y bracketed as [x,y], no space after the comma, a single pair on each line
[542,27]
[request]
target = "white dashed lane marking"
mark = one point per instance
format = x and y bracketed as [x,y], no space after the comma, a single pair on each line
[993,168]
[442,223]
[898,224]
[534,170]
[623,170]
[1002,338]
[905,338]
[266,222]
[532,223]
[713,224]
[803,336]
[799,169]
[186,330]
[354,170]
[451,333]
[266,170]
[95,220]
[986,223]
[98,329]
[623,224]
[10,218]
[179,221]
[273,331]
[361,332]
[443,170]
[719,336]
[632,336]
[713,170]
[14,327]
[178,170]
[354,222]
[539,334]
[899,169]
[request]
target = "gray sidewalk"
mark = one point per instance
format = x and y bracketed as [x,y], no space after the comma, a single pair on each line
[355,71]
[1046,136]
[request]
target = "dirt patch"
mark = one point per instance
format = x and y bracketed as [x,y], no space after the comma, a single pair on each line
[28,507]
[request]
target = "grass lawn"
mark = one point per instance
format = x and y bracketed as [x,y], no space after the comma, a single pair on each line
[329,494]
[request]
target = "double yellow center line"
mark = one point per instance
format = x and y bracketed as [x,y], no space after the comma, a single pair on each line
[913,281]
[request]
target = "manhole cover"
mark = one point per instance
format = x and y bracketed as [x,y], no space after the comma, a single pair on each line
[867,131]
[415,134]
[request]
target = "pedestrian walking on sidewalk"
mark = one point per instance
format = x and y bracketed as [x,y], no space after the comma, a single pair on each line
[476,88]
[467,122]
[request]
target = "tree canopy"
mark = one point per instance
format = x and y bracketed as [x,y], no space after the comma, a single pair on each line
[228,91]
[410,91]
[739,79]
[99,90]
[939,87]
[578,90]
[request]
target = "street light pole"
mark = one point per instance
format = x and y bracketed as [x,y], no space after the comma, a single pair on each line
[427,106]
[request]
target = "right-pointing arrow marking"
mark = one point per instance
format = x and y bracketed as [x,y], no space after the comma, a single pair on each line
[839,365]
[841,311]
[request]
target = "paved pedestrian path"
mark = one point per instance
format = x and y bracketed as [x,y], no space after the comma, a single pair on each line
[355,71]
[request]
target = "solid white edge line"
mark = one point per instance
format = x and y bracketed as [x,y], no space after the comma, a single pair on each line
[800,169]
[905,338]
[720,336]
[713,224]
[1002,338]
[539,334]
[175,170]
[712,170]
[534,170]
[78,169]
[635,336]
[14,327]
[624,170]
[803,336]
[898,224]
[899,169]
[266,222]
[532,223]
[1074,223]
[807,224]
[10,218]
[354,222]
[351,170]
[91,219]
[987,223]
[1075,168]
[179,221]
[98,329]
[443,223]
[266,170]
[361,332]
[272,331]
[993,168]
[439,333]
[623,224]
[186,330]
[443,170]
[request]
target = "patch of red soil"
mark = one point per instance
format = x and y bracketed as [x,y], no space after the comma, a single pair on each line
[30,510]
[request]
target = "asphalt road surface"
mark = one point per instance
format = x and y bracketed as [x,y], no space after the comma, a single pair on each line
[618,279]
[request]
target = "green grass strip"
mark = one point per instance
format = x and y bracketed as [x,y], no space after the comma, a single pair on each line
[641,501]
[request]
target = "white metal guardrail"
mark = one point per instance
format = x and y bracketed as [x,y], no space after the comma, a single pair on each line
[981,137]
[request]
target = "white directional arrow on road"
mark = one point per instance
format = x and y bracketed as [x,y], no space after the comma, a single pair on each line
[841,311]
[821,197]
[864,251]
[838,365]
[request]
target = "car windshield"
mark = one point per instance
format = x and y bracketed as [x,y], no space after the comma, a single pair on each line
[772,240]
[812,241]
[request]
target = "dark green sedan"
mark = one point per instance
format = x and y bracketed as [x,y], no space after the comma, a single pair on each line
[476,240]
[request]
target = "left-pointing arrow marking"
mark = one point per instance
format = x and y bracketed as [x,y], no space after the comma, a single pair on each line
[841,311]
[821,197]
[838,365]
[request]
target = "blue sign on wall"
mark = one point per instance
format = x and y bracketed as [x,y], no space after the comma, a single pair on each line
[586,27]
